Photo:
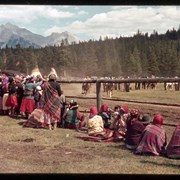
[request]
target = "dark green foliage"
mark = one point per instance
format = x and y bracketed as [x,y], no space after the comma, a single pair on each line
[138,56]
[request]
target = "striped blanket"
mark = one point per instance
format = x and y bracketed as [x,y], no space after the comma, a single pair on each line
[173,148]
[51,102]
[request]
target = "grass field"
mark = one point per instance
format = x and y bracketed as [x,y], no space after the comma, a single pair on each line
[27,150]
[155,95]
[62,151]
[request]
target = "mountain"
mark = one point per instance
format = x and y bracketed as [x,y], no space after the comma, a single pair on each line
[10,35]
[56,38]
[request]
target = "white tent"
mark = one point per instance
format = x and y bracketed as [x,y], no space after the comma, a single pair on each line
[35,72]
[53,71]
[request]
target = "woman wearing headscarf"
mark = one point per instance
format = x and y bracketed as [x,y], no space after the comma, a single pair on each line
[134,129]
[153,139]
[105,113]
[96,130]
[95,122]
[173,147]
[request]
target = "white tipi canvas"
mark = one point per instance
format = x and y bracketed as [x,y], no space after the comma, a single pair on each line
[36,72]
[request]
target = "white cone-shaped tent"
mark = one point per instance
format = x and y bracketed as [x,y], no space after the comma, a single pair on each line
[53,71]
[35,72]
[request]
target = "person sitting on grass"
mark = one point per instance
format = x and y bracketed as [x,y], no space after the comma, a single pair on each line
[95,122]
[153,139]
[105,113]
[119,119]
[95,127]
[173,147]
[134,129]
[72,118]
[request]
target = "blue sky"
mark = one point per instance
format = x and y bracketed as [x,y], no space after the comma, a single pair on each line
[91,22]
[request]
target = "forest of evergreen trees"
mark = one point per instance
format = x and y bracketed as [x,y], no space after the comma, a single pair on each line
[139,55]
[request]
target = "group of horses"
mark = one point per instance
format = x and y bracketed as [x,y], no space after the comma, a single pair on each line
[108,87]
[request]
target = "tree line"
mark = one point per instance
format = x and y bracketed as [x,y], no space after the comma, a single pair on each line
[141,55]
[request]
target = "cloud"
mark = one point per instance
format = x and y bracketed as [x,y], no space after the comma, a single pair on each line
[126,21]
[118,20]
[83,13]
[28,13]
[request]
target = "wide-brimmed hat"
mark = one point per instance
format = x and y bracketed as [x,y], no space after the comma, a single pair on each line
[52,77]
[145,119]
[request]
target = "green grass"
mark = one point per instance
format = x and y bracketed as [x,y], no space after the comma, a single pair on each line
[60,151]
[155,95]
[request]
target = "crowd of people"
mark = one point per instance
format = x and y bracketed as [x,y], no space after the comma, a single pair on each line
[42,102]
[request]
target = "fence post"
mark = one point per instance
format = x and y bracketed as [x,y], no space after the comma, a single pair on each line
[98,94]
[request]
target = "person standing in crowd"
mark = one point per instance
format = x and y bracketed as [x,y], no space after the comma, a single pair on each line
[28,102]
[50,101]
[1,97]
[173,147]
[12,98]
[5,80]
[153,140]
[37,97]
[19,94]
[134,129]
[63,107]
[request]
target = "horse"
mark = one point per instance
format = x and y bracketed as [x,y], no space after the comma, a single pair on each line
[85,88]
[151,85]
[169,86]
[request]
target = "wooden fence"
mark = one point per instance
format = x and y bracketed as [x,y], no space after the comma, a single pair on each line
[129,80]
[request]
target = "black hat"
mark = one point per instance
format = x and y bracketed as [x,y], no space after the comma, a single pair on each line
[145,119]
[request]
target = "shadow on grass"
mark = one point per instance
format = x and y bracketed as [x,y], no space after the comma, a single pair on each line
[161,164]
[21,123]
